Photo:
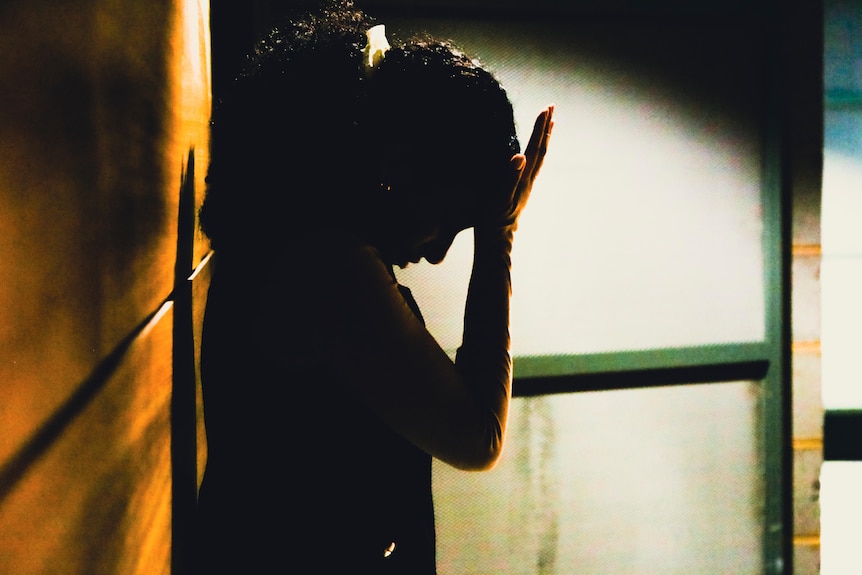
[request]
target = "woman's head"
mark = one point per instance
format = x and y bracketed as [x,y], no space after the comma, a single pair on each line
[446,130]
[308,137]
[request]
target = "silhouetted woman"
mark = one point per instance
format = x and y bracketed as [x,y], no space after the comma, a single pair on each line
[325,397]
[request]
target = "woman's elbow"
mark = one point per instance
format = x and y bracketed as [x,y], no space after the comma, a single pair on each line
[486,463]
[483,454]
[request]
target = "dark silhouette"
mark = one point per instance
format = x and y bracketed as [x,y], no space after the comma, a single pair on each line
[325,397]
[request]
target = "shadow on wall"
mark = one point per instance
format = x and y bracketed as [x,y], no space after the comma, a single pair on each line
[98,115]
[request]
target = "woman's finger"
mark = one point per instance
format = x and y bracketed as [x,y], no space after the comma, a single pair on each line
[537,145]
[526,166]
[543,148]
[536,148]
[539,128]
[517,165]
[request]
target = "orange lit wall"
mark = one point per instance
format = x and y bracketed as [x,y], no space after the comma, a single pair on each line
[103,106]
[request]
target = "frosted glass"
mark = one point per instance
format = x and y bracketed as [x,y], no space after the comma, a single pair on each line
[841,517]
[645,230]
[842,201]
[660,481]
[841,279]
[841,266]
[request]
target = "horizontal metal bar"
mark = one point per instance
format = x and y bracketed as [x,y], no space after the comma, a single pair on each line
[842,435]
[533,367]
[639,378]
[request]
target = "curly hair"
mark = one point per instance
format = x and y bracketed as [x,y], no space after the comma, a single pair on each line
[292,138]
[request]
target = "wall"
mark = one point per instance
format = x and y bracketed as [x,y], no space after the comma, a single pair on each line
[805,123]
[104,107]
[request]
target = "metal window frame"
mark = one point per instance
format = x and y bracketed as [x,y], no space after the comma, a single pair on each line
[768,361]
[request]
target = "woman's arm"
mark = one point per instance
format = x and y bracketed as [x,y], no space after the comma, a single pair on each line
[484,356]
[367,333]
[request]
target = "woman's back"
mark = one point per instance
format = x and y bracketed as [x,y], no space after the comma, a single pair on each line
[299,471]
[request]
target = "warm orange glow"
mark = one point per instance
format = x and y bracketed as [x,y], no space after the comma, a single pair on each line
[192,95]
[98,498]
[806,250]
[108,99]
[807,540]
[808,444]
[806,347]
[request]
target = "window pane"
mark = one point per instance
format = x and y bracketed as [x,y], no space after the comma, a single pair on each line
[662,481]
[645,230]
[841,523]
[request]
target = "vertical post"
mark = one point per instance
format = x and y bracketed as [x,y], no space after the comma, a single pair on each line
[183,401]
[777,213]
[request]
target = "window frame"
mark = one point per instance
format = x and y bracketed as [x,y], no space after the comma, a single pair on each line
[767,361]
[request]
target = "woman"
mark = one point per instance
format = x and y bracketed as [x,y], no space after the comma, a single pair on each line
[334,158]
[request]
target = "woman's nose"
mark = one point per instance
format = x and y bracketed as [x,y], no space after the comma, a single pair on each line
[437,249]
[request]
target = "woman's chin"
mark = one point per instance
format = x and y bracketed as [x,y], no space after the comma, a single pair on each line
[406,261]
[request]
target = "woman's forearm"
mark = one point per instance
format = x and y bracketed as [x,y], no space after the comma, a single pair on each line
[484,357]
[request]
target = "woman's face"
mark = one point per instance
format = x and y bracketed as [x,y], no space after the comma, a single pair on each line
[422,222]
[428,195]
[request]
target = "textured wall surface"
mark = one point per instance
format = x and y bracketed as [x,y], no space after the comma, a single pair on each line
[101,103]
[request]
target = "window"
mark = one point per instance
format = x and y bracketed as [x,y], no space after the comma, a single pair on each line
[648,432]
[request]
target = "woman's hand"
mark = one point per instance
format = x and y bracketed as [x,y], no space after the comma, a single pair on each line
[525,167]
